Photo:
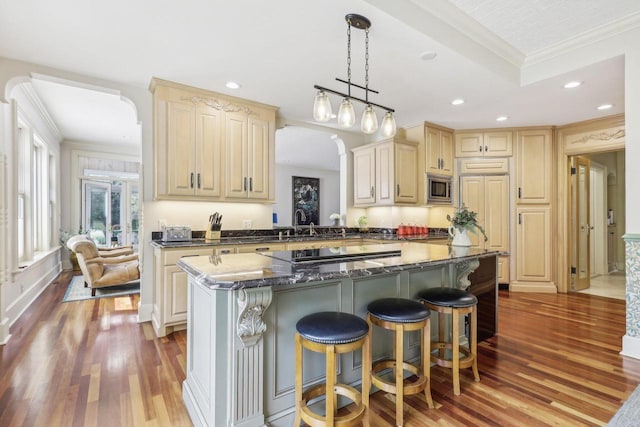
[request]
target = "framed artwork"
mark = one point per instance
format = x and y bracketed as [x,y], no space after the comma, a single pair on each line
[306,200]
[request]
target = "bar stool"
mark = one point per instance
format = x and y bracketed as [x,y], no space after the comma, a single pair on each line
[330,333]
[455,302]
[399,315]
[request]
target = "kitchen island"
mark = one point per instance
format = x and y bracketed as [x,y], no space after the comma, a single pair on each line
[242,311]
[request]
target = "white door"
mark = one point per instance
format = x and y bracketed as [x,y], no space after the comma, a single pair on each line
[96,210]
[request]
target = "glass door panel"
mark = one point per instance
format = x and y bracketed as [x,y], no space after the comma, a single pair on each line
[96,210]
[583,224]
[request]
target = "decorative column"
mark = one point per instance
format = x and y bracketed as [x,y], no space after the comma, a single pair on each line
[247,406]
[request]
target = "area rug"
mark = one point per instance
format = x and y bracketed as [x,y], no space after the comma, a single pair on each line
[629,414]
[77,292]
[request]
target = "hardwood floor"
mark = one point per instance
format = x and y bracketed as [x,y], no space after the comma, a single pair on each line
[554,361]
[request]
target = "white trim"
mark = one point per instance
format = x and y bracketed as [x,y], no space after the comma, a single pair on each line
[144,312]
[35,100]
[630,346]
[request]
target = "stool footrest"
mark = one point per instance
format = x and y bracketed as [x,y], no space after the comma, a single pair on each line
[349,419]
[464,362]
[413,387]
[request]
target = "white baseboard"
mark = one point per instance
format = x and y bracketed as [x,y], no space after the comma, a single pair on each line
[631,346]
[540,287]
[144,312]
[4,331]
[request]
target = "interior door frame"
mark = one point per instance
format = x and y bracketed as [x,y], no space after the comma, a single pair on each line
[84,183]
[579,284]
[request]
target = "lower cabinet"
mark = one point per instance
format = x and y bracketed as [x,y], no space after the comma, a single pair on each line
[533,248]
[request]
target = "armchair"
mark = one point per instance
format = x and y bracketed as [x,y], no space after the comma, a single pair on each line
[100,271]
[103,252]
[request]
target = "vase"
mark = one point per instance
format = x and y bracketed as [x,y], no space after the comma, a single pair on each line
[336,222]
[460,236]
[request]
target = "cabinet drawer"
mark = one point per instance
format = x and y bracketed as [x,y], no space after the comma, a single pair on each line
[171,256]
[225,250]
[477,166]
[317,244]
[265,247]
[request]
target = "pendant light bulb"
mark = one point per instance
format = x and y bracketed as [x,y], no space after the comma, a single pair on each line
[346,114]
[321,107]
[369,123]
[388,125]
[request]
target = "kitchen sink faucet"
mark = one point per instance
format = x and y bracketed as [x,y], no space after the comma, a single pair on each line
[303,218]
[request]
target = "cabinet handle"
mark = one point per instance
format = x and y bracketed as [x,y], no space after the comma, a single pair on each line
[244,184]
[486,148]
[481,148]
[519,218]
[372,191]
[251,184]
[191,179]
[519,192]
[398,189]
[198,179]
[264,249]
[225,251]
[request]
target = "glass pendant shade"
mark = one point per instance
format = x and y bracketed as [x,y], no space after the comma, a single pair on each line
[321,107]
[388,125]
[346,114]
[369,123]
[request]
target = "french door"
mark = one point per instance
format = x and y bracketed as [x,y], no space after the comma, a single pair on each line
[582,223]
[110,211]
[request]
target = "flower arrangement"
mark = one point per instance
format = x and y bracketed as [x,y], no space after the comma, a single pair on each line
[363,221]
[335,218]
[465,219]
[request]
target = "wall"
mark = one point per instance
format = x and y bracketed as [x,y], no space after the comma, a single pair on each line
[329,192]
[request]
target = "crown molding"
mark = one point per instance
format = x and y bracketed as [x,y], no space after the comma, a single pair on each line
[32,96]
[587,38]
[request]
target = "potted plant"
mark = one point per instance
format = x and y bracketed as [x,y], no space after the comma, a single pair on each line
[335,219]
[462,221]
[363,222]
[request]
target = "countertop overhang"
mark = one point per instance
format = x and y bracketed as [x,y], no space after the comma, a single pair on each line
[241,271]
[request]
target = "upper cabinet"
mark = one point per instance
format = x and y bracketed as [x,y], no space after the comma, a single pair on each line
[385,173]
[209,146]
[439,150]
[484,144]
[534,167]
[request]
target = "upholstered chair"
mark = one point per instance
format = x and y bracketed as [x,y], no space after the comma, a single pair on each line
[99,271]
[103,252]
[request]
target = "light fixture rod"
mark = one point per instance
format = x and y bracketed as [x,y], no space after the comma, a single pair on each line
[358,86]
[335,92]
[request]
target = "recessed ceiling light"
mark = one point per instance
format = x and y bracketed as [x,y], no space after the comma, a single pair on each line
[233,85]
[458,101]
[428,56]
[501,118]
[604,106]
[571,85]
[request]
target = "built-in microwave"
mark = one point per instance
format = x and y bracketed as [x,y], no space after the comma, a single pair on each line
[439,189]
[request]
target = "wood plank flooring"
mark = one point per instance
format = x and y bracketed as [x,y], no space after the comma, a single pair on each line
[554,361]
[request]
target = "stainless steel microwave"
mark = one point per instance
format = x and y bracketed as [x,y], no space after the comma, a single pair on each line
[439,189]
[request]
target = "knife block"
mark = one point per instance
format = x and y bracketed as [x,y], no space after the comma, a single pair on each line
[213,233]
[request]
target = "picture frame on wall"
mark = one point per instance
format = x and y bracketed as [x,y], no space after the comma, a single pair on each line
[305,200]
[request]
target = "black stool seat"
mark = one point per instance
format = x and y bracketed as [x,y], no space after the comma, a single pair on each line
[332,327]
[448,297]
[398,310]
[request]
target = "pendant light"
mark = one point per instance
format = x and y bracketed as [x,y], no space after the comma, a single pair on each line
[346,112]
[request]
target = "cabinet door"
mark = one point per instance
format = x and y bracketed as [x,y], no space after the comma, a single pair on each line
[180,149]
[498,144]
[364,167]
[259,153]
[503,270]
[433,151]
[237,181]
[534,168]
[469,144]
[384,174]
[496,212]
[209,133]
[175,295]
[446,153]
[473,197]
[533,261]
[406,173]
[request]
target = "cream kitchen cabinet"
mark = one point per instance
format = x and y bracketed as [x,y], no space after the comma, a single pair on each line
[386,173]
[533,237]
[250,155]
[439,150]
[488,196]
[534,167]
[484,144]
[209,146]
[170,289]
[260,247]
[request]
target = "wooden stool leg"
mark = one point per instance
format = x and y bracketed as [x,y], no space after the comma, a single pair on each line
[474,342]
[399,352]
[330,395]
[298,378]
[425,336]
[441,335]
[455,351]
[366,372]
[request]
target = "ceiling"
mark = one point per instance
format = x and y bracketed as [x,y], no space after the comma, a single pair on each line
[278,50]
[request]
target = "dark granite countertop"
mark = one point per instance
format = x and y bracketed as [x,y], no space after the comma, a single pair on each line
[239,271]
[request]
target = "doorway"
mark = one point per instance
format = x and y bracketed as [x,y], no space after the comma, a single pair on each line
[597,212]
